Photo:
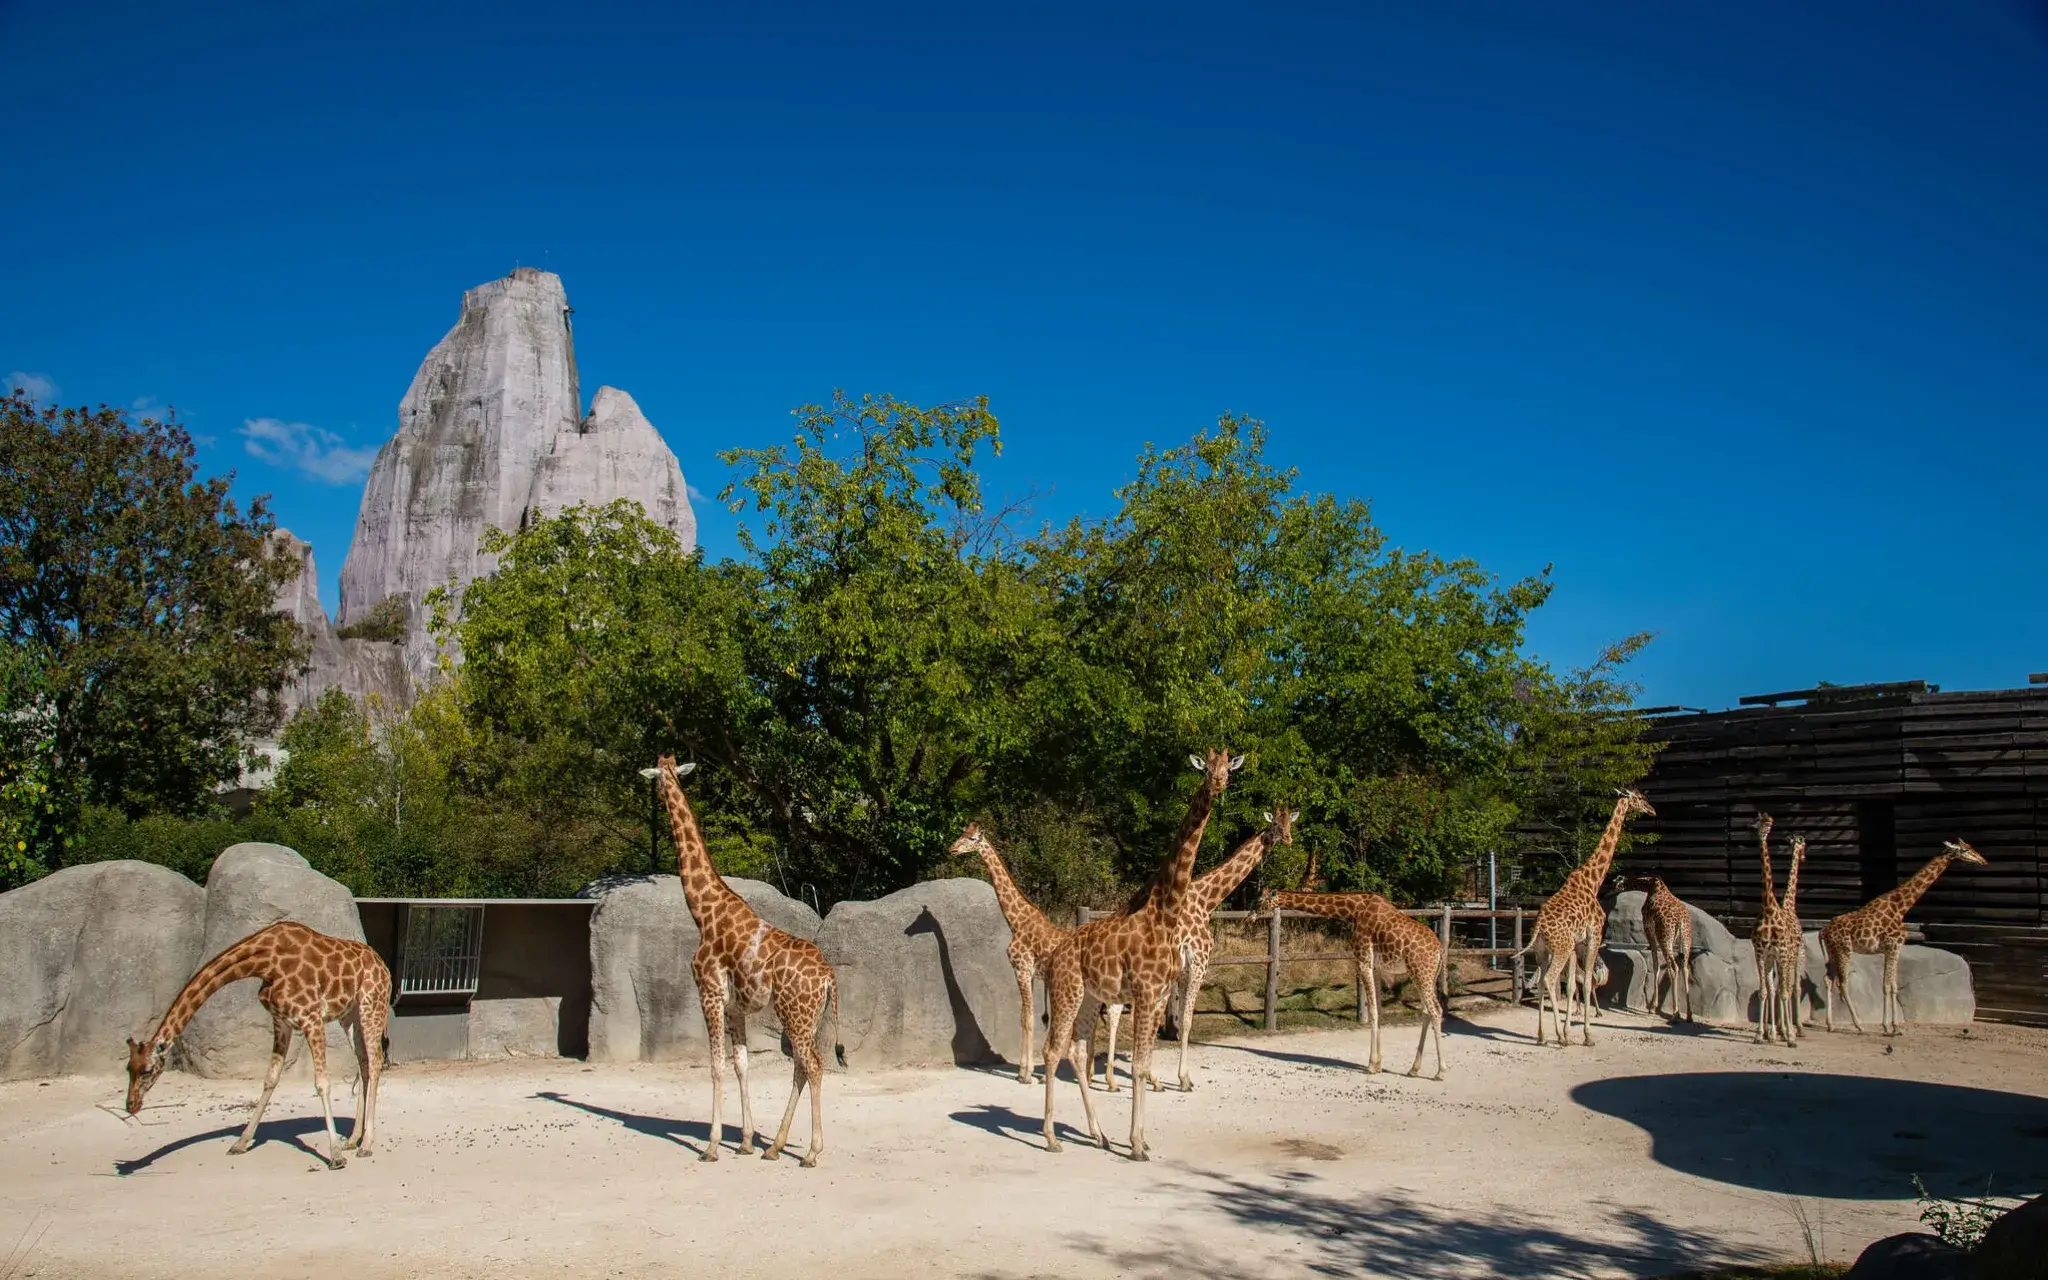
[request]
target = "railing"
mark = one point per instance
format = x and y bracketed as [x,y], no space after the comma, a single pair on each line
[1442,916]
[442,950]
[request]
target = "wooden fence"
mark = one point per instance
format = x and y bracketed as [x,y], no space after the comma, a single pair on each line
[1442,916]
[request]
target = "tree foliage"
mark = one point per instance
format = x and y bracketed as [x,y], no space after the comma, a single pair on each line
[145,599]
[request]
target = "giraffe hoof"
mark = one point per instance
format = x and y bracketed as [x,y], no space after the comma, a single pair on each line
[1140,1157]
[337,1161]
[809,1162]
[709,1157]
[1053,1145]
[1186,1085]
[239,1148]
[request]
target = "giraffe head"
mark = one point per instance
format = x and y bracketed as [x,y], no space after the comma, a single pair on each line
[971,841]
[1961,851]
[1763,826]
[667,764]
[1266,897]
[1798,847]
[146,1062]
[1632,803]
[1217,768]
[1283,824]
[1643,881]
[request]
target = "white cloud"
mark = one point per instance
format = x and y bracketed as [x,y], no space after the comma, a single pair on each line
[146,407]
[313,450]
[696,494]
[40,387]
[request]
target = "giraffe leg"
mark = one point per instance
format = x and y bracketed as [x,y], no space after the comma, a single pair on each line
[1891,989]
[1839,980]
[1763,993]
[1553,965]
[315,1032]
[736,1037]
[1685,972]
[280,1045]
[371,1020]
[1369,974]
[1114,1013]
[1145,1004]
[1197,972]
[711,991]
[1063,998]
[1026,1007]
[1432,1016]
[1586,996]
[352,1024]
[1788,982]
[800,1022]
[1571,994]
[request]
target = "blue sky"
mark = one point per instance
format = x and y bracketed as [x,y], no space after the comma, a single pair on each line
[1736,314]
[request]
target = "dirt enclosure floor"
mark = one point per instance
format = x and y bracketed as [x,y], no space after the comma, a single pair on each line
[1659,1149]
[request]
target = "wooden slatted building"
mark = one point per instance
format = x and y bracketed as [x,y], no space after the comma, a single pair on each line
[1876,777]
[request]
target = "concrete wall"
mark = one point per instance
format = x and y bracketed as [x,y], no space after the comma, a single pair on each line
[533,986]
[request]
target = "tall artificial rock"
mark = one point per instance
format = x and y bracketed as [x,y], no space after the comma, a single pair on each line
[491,432]
[356,666]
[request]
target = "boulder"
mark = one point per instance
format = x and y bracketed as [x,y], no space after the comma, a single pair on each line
[925,977]
[88,957]
[516,1027]
[643,1001]
[1934,985]
[251,887]
[2016,1246]
[1914,1255]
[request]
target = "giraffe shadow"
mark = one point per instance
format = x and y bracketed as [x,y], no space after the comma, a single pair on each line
[1843,1137]
[1028,1130]
[294,1131]
[1299,1059]
[651,1126]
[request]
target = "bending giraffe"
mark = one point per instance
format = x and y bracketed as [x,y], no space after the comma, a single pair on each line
[1667,929]
[1569,927]
[1195,941]
[742,966]
[309,980]
[1777,942]
[1379,928]
[1033,938]
[1879,928]
[1128,958]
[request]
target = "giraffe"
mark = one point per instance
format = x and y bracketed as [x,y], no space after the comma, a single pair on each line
[744,965]
[309,980]
[1033,938]
[1792,956]
[1775,938]
[1378,928]
[1195,941]
[1570,924]
[1128,958]
[1878,927]
[1667,928]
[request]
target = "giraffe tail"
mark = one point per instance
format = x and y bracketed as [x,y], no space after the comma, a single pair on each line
[838,1047]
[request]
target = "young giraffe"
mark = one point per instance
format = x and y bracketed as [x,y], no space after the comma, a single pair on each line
[1570,924]
[744,964]
[1879,927]
[1195,941]
[1379,928]
[1667,928]
[309,980]
[1033,938]
[1128,958]
[1792,958]
[1775,937]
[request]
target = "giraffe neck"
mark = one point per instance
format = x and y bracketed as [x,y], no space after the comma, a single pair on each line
[1790,904]
[1610,840]
[1901,899]
[1339,906]
[1210,891]
[703,888]
[245,959]
[1177,875]
[1017,908]
[1763,847]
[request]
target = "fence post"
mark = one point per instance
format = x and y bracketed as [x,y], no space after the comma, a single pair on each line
[1273,971]
[1443,971]
[1515,996]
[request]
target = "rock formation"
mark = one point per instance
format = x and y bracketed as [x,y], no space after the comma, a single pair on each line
[491,432]
[358,667]
[89,956]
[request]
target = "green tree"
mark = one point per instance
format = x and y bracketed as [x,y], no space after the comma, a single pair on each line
[148,597]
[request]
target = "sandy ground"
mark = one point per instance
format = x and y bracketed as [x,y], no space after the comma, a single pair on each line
[1656,1149]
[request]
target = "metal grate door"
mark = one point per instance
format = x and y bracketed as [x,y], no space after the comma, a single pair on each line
[443,950]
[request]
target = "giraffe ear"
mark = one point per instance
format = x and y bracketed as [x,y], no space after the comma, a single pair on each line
[1196,762]
[1236,763]
[688,766]
[1268,816]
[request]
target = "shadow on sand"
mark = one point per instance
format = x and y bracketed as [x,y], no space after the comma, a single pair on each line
[652,1126]
[1316,1229]
[294,1131]
[1847,1137]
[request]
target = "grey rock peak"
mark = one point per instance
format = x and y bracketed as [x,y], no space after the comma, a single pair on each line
[491,433]
[358,667]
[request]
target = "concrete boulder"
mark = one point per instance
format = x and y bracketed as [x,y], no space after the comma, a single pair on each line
[643,1002]
[88,957]
[2016,1246]
[1914,1255]
[925,977]
[1934,986]
[251,887]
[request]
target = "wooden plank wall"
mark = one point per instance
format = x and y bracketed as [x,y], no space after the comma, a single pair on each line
[1929,767]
